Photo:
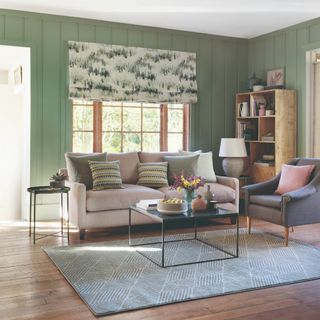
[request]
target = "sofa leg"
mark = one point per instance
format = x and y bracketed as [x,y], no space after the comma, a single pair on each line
[286,236]
[82,233]
[249,224]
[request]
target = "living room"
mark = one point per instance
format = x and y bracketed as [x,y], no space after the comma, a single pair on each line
[232,47]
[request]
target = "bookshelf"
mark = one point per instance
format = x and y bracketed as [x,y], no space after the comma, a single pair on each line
[268,133]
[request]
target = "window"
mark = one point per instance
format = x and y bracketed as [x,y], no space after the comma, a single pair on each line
[129,126]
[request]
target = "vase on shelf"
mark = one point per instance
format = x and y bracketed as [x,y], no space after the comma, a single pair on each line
[189,196]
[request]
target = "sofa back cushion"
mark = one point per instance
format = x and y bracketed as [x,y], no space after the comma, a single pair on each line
[78,166]
[155,156]
[186,165]
[128,165]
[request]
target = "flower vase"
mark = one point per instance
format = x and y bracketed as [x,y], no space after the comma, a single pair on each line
[189,196]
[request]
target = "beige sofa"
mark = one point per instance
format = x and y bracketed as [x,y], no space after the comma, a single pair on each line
[109,208]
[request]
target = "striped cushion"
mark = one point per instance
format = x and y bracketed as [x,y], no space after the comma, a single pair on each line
[153,174]
[105,175]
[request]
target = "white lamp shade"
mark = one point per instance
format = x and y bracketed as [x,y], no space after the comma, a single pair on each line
[232,148]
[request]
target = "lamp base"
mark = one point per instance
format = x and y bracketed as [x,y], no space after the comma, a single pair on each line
[232,167]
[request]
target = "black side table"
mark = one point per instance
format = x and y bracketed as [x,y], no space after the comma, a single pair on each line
[34,191]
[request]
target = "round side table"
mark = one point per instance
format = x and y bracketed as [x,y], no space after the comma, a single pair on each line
[34,191]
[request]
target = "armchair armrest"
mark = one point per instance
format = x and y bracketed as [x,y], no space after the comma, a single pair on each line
[299,194]
[265,187]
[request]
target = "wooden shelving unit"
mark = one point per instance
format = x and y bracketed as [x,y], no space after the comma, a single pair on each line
[281,125]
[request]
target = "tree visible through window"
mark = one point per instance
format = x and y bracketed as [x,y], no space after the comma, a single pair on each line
[117,126]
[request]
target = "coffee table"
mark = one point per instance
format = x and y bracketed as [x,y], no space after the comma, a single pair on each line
[165,221]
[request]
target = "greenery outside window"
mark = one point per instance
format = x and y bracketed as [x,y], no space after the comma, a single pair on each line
[129,126]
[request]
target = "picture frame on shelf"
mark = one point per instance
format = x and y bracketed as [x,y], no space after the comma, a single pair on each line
[276,78]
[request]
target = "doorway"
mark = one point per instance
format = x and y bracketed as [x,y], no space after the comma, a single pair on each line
[14,132]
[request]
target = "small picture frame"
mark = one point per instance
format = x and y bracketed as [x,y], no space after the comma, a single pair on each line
[17,74]
[275,78]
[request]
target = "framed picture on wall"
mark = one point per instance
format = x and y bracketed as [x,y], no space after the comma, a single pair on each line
[17,75]
[275,78]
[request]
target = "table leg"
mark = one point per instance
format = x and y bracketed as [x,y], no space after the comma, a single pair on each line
[68,218]
[30,214]
[61,212]
[34,217]
[237,249]
[162,243]
[129,227]
[195,228]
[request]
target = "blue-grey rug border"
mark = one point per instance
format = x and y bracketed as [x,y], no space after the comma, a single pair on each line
[187,300]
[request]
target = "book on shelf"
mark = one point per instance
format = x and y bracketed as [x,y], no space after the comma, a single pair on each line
[264,163]
[148,204]
[255,100]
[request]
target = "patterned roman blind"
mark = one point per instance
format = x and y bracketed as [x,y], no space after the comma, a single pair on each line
[118,73]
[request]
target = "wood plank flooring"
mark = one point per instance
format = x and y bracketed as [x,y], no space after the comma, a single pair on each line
[32,288]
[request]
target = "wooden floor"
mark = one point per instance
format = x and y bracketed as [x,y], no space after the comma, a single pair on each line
[32,288]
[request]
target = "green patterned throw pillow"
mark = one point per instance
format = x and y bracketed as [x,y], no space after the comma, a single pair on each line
[153,174]
[105,175]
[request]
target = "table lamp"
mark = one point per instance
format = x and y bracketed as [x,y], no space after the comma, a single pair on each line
[233,150]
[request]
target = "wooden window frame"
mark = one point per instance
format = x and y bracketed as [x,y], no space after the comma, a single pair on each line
[163,132]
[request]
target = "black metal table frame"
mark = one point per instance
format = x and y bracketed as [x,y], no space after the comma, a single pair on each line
[163,242]
[32,212]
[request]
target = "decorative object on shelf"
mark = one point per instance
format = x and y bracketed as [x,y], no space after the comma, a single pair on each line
[258,88]
[208,197]
[233,150]
[262,109]
[268,137]
[255,101]
[244,109]
[269,113]
[252,81]
[198,204]
[189,184]
[57,180]
[275,78]
[248,134]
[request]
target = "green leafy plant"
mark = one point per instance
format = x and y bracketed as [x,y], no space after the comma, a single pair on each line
[58,177]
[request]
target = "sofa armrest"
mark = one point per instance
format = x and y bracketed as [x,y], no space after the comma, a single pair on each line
[232,183]
[77,207]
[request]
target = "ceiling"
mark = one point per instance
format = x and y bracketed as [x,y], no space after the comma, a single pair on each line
[236,18]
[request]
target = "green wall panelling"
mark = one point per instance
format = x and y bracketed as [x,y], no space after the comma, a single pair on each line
[288,49]
[242,66]
[51,123]
[14,28]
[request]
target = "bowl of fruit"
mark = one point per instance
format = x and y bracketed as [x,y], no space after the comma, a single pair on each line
[172,206]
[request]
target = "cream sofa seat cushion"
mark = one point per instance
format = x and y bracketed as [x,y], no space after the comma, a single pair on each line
[116,199]
[221,193]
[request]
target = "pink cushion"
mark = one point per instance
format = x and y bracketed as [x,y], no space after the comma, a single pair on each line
[293,178]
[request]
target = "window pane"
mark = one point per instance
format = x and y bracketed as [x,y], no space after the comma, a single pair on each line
[175,142]
[175,120]
[82,142]
[151,119]
[82,118]
[131,119]
[111,119]
[111,142]
[151,142]
[131,142]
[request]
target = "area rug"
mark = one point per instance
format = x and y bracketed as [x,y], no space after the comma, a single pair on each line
[112,277]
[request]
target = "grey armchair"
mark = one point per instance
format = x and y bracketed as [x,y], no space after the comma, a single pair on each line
[291,209]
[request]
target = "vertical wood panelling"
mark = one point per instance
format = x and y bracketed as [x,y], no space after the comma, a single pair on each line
[279,50]
[2,27]
[242,66]
[135,38]
[217,88]
[291,59]
[14,28]
[315,33]
[178,43]
[165,40]
[269,53]
[150,39]
[51,97]
[251,57]
[103,34]
[260,59]
[119,36]
[86,32]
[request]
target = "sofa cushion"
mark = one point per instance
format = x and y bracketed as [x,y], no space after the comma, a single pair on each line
[116,199]
[221,193]
[273,201]
[205,165]
[186,165]
[153,174]
[155,156]
[78,167]
[105,175]
[128,165]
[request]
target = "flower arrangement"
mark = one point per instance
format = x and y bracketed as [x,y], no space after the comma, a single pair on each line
[190,183]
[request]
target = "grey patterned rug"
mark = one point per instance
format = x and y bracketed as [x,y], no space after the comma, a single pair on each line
[112,277]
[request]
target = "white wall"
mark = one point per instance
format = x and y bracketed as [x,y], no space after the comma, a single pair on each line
[11,148]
